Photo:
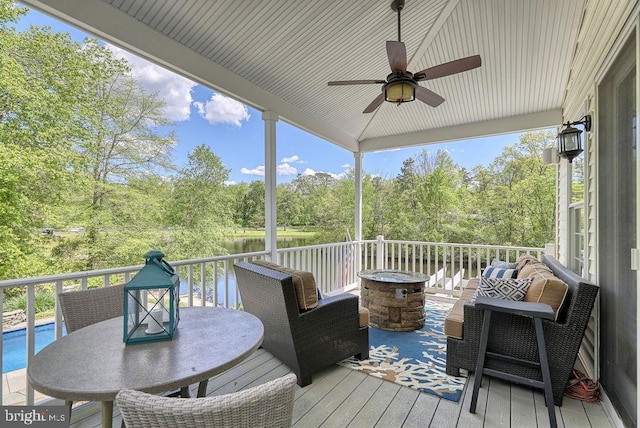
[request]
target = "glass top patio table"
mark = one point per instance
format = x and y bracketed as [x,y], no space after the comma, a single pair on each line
[93,363]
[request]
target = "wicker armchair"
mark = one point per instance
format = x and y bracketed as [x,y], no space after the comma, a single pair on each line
[86,307]
[514,335]
[306,341]
[266,405]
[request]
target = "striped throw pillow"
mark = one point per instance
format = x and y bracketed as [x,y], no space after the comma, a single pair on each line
[503,265]
[494,272]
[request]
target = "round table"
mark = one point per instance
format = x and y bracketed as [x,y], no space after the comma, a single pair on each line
[395,299]
[94,364]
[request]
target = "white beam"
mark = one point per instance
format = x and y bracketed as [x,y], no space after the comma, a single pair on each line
[109,24]
[432,33]
[270,188]
[507,125]
[358,208]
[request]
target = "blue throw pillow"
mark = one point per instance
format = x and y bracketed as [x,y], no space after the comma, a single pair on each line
[502,264]
[493,272]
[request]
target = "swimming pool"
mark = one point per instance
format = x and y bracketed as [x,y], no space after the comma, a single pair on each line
[14,345]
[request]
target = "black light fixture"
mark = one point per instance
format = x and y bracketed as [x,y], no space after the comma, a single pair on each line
[569,144]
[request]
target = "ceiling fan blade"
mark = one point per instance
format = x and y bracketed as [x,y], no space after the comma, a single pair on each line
[449,68]
[428,97]
[397,54]
[355,82]
[374,104]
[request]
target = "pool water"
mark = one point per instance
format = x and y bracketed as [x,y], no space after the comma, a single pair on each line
[14,345]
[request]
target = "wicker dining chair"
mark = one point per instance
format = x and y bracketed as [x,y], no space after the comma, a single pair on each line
[266,405]
[85,307]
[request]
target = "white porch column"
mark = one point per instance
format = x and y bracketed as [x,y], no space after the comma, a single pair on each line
[270,213]
[358,208]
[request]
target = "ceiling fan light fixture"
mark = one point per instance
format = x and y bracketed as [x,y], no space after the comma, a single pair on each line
[400,90]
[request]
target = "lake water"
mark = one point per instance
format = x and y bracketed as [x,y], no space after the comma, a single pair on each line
[240,246]
[251,245]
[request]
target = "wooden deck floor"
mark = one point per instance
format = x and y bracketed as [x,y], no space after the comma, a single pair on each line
[340,397]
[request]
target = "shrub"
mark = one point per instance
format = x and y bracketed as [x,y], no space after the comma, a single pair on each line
[45,301]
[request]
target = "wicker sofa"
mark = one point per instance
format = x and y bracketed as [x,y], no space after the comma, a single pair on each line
[304,340]
[515,335]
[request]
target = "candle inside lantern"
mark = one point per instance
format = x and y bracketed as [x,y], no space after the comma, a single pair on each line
[155,322]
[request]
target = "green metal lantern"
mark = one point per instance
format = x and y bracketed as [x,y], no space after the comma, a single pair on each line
[151,302]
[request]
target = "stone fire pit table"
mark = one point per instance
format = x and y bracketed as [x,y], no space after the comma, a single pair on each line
[395,299]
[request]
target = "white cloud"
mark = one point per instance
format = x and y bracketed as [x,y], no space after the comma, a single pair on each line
[173,89]
[221,109]
[346,165]
[308,171]
[230,183]
[338,176]
[282,169]
[292,159]
[255,171]
[286,169]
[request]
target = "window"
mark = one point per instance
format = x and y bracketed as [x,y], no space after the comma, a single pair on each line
[576,244]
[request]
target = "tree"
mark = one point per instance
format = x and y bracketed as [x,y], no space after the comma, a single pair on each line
[42,81]
[201,206]
[515,195]
[289,205]
[427,198]
[253,204]
[122,140]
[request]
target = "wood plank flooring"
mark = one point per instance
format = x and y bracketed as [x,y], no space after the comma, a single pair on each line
[340,397]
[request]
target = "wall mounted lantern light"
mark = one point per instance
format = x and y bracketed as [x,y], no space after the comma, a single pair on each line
[569,144]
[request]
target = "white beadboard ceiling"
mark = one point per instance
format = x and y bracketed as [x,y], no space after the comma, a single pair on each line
[278,56]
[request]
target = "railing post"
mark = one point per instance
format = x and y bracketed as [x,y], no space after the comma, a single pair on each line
[550,249]
[380,261]
[31,336]
[1,350]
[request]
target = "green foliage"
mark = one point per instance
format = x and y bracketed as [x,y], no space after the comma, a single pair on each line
[515,195]
[45,301]
[251,205]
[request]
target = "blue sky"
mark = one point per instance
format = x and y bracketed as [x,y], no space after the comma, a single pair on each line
[235,132]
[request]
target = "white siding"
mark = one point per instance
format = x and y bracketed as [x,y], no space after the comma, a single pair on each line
[602,25]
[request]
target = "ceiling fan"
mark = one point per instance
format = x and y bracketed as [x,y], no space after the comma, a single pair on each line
[401,86]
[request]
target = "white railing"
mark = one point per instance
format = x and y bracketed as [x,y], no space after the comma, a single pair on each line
[450,266]
[335,267]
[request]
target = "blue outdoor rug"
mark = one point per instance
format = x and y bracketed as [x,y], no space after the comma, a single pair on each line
[415,359]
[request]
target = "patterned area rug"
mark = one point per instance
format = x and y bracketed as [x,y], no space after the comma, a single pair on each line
[414,359]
